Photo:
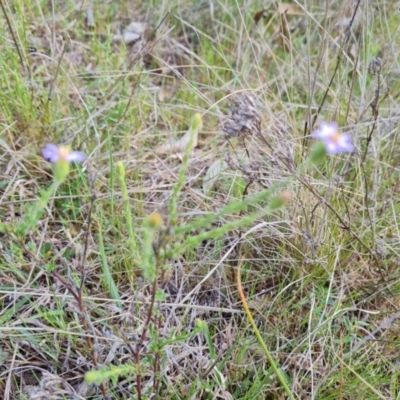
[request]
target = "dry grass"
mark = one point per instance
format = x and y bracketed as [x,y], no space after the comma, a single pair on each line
[320,274]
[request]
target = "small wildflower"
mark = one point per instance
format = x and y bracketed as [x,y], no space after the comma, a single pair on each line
[155,220]
[55,153]
[61,157]
[334,141]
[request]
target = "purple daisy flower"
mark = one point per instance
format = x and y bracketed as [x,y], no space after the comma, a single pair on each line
[335,142]
[54,153]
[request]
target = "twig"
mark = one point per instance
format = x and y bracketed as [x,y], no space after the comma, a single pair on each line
[12,34]
[259,337]
[76,293]
[53,82]
[387,323]
[146,48]
[142,339]
[374,68]
[160,272]
[85,316]
[339,60]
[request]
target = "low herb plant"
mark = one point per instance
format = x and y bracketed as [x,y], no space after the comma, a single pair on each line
[155,245]
[213,237]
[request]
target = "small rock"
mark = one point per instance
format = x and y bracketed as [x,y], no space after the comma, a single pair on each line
[136,27]
[127,37]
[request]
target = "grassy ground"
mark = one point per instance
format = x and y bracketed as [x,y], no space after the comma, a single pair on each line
[130,266]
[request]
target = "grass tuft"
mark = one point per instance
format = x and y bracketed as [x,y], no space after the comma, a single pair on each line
[118,276]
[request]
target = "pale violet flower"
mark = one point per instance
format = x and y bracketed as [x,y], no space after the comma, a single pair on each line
[335,142]
[54,153]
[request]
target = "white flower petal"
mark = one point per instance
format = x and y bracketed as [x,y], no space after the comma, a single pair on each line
[54,153]
[335,142]
[345,142]
[325,131]
[75,156]
[331,148]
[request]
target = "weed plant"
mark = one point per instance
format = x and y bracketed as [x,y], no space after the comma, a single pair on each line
[198,200]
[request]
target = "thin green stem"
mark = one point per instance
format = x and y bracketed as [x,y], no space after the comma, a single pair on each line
[259,337]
